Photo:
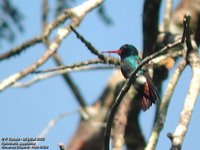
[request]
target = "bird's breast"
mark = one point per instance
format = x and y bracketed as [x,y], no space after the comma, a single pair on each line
[140,80]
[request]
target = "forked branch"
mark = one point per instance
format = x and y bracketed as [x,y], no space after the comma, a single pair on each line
[126,87]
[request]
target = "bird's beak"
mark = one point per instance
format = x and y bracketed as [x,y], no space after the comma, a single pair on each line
[113,51]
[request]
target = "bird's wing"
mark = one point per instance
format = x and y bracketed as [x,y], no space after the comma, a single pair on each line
[129,64]
[153,92]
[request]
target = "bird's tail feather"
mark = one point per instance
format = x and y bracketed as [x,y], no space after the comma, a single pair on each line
[149,96]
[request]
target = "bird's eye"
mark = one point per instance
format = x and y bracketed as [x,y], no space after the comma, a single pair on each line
[125,47]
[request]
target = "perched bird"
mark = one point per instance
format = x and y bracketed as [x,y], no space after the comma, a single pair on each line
[143,83]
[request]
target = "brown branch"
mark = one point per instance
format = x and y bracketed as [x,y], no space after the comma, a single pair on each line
[150,25]
[120,121]
[192,8]
[197,33]
[134,139]
[89,136]
[186,23]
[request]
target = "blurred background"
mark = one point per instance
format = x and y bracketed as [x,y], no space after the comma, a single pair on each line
[26,112]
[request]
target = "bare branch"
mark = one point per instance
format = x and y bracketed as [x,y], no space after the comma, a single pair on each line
[126,87]
[94,50]
[17,50]
[164,107]
[178,136]
[150,25]
[191,98]
[53,122]
[135,139]
[169,91]
[186,23]
[59,72]
[84,63]
[78,13]
[120,121]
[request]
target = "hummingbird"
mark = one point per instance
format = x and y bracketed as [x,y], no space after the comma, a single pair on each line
[143,83]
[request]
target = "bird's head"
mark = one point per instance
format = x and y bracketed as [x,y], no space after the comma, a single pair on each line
[124,51]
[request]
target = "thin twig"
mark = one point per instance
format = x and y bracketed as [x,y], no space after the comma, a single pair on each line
[126,87]
[59,72]
[17,50]
[93,49]
[53,122]
[84,63]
